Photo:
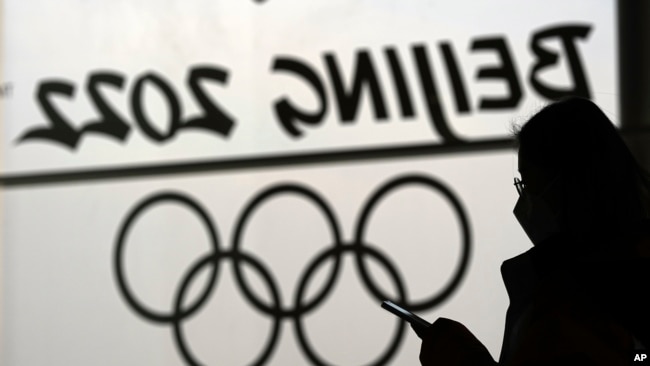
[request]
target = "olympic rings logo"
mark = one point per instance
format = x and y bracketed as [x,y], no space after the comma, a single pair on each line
[240,257]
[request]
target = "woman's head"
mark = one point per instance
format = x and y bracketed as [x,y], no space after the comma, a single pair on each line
[597,185]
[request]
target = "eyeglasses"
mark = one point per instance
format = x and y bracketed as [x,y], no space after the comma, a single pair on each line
[519,185]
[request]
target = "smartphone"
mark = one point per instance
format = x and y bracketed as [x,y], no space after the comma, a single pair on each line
[419,325]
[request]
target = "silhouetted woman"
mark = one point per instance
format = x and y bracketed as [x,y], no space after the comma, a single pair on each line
[581,295]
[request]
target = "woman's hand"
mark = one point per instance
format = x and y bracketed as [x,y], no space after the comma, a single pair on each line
[449,343]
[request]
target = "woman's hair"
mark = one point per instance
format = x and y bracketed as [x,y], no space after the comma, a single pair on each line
[604,188]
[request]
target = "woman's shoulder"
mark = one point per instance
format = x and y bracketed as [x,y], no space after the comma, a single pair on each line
[641,247]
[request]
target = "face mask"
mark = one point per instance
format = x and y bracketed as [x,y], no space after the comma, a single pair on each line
[536,217]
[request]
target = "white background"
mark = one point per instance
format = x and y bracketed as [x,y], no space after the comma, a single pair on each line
[60,302]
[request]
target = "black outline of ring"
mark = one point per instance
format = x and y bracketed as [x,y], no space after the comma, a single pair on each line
[214,260]
[461,269]
[236,247]
[155,315]
[338,251]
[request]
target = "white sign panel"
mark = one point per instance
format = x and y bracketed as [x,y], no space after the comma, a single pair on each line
[244,182]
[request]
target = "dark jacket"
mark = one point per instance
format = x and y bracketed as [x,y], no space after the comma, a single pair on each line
[576,308]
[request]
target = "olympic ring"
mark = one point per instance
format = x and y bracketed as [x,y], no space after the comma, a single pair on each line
[119,271]
[358,247]
[302,338]
[334,228]
[461,215]
[214,259]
